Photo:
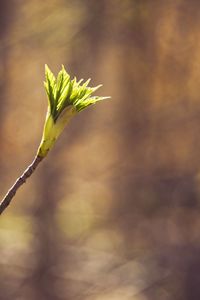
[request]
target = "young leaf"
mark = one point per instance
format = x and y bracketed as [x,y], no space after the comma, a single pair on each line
[66,98]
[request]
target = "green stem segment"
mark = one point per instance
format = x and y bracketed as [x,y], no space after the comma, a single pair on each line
[20,180]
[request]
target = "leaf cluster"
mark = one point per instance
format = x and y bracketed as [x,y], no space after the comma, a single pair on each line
[63,92]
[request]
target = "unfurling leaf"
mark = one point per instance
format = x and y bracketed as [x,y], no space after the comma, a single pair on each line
[66,98]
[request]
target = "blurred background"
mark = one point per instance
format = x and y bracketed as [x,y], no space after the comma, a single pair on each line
[113,213]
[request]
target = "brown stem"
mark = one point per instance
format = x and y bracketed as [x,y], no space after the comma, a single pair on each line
[20,180]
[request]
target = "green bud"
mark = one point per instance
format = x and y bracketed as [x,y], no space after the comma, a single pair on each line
[66,98]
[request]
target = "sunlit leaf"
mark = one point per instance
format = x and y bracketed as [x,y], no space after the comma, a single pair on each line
[66,98]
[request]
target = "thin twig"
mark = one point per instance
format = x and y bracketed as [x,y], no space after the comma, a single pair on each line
[20,180]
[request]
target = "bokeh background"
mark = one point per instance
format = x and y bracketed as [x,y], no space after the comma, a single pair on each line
[113,213]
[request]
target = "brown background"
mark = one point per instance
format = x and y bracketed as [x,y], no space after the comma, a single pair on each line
[113,212]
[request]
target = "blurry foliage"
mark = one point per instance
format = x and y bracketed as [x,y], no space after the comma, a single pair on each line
[122,223]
